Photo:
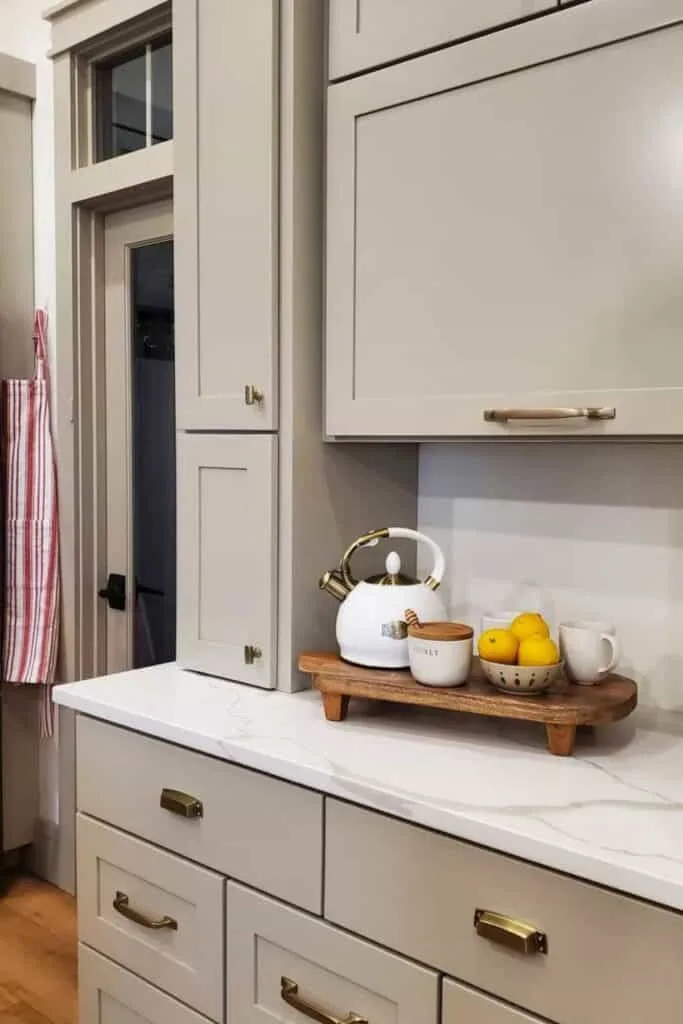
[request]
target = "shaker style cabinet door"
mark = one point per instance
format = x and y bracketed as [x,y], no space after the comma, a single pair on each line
[505,234]
[227,555]
[463,1005]
[225,213]
[365,33]
[284,966]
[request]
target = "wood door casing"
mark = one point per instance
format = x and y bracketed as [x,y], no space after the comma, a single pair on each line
[505,230]
[365,33]
[123,232]
[227,555]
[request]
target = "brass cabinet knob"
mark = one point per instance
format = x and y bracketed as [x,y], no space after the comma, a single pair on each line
[251,654]
[252,395]
[507,931]
[182,804]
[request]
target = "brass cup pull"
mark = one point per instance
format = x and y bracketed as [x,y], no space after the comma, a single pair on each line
[590,413]
[506,931]
[183,804]
[122,906]
[289,992]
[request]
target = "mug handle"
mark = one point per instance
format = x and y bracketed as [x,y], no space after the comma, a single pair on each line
[612,641]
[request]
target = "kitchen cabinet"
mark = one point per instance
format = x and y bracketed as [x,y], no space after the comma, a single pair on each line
[365,33]
[280,960]
[461,1003]
[225,213]
[505,232]
[227,552]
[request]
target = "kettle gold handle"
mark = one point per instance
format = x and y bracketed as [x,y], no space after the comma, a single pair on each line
[367,538]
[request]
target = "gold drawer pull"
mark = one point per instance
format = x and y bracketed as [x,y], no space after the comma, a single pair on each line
[122,906]
[590,413]
[289,992]
[509,932]
[186,806]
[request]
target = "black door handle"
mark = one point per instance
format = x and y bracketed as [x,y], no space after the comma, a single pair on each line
[115,592]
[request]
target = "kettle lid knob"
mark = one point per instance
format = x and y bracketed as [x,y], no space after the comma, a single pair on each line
[393,563]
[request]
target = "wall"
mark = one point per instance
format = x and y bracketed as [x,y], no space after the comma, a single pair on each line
[591,530]
[23,33]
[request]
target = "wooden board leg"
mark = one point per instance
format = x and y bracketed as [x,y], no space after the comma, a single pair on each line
[561,739]
[336,706]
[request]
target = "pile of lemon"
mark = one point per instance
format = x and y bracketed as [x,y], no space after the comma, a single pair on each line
[526,641]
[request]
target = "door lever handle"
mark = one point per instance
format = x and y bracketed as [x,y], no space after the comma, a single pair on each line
[115,592]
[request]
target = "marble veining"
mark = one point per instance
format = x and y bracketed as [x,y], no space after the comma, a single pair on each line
[612,814]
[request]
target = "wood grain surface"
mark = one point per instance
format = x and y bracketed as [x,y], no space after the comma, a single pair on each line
[561,709]
[38,955]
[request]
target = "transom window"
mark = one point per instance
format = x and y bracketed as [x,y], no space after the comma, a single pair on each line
[134,99]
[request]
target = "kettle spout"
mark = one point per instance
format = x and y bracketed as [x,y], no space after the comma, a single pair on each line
[333,583]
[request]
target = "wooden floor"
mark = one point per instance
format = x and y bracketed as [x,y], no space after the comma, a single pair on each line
[37,955]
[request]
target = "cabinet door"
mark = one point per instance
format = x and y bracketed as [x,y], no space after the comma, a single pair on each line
[284,966]
[227,555]
[505,230]
[109,995]
[365,33]
[225,212]
[463,1005]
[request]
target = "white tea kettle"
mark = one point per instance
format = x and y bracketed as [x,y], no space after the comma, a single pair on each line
[371,627]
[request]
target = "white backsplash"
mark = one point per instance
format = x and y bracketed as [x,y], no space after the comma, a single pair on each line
[584,529]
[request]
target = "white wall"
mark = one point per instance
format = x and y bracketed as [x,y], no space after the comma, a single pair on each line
[591,530]
[23,33]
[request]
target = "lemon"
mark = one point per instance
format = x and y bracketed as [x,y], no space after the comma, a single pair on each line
[538,650]
[499,645]
[529,624]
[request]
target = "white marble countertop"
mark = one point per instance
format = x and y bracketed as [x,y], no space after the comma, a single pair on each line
[611,814]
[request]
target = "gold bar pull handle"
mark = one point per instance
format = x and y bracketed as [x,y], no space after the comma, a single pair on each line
[252,395]
[122,906]
[544,415]
[289,993]
[251,654]
[506,931]
[182,804]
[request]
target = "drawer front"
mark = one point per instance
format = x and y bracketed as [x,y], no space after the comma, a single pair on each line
[110,995]
[284,965]
[608,957]
[461,1004]
[257,829]
[152,912]
[366,33]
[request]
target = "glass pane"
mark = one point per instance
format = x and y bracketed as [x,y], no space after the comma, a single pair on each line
[154,501]
[162,91]
[122,114]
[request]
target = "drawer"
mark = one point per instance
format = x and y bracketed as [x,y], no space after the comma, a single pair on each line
[365,33]
[460,1004]
[152,912]
[274,951]
[608,957]
[257,829]
[109,995]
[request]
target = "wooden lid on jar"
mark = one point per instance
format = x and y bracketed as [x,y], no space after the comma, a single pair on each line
[441,631]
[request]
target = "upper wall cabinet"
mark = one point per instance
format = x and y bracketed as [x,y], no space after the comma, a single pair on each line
[225,212]
[505,233]
[365,33]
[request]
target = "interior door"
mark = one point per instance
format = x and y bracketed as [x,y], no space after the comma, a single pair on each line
[137,565]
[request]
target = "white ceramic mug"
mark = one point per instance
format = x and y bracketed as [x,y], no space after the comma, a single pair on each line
[497,620]
[589,650]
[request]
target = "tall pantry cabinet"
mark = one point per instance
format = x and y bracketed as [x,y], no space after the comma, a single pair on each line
[264,505]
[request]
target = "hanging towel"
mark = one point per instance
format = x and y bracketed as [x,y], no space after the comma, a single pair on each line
[31,576]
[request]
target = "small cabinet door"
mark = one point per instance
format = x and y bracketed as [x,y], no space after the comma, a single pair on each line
[225,213]
[110,995]
[365,33]
[227,555]
[284,966]
[463,1005]
[505,232]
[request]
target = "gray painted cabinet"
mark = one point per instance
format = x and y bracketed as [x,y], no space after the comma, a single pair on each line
[365,33]
[505,231]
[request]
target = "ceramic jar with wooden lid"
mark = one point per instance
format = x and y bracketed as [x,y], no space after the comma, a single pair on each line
[440,652]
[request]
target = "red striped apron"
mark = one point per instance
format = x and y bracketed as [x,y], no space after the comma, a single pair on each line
[31,570]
